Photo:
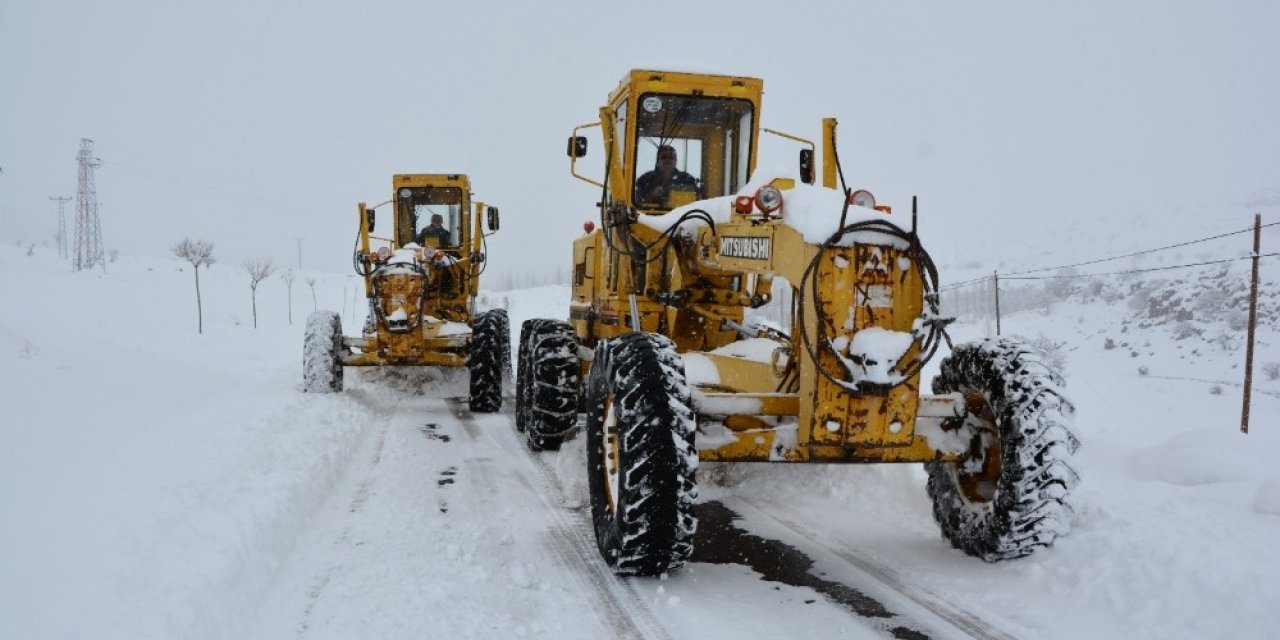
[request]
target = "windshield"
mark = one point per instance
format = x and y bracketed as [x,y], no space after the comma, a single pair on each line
[689,148]
[429,216]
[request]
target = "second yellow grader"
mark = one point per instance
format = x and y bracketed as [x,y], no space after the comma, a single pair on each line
[658,352]
[421,285]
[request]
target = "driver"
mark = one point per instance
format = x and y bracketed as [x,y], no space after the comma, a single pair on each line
[655,186]
[435,230]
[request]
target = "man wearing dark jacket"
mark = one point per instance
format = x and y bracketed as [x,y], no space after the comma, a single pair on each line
[655,186]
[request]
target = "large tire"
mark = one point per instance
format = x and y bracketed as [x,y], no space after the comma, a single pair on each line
[641,460]
[321,349]
[547,398]
[1010,497]
[504,330]
[485,360]
[523,382]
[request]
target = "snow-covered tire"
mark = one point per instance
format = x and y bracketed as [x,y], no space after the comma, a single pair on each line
[504,330]
[547,393]
[641,461]
[321,366]
[1010,497]
[527,329]
[485,360]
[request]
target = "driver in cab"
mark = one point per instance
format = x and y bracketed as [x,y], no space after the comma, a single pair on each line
[656,185]
[434,231]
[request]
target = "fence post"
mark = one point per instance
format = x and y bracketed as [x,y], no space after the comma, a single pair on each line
[1253,322]
[996,275]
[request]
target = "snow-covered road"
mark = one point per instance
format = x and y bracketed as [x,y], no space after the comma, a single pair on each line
[159,483]
[438,530]
[443,510]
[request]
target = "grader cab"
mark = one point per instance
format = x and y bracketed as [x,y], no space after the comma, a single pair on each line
[421,283]
[659,351]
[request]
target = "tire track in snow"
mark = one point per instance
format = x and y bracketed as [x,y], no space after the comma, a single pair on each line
[954,617]
[620,609]
[358,498]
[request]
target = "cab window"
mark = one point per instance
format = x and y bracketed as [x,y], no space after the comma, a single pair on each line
[418,207]
[689,148]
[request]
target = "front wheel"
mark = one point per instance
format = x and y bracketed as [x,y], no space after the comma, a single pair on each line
[486,360]
[321,349]
[641,460]
[1009,497]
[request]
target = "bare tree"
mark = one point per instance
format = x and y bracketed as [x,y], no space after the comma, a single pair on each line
[288,278]
[311,282]
[259,269]
[200,254]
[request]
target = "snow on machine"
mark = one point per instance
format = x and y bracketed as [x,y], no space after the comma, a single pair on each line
[658,352]
[421,285]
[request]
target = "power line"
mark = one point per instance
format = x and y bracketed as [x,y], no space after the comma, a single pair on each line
[1012,275]
[965,283]
[1138,253]
[1114,273]
[237,186]
[180,181]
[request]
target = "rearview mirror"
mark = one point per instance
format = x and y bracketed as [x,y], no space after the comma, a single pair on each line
[806,166]
[577,147]
[491,216]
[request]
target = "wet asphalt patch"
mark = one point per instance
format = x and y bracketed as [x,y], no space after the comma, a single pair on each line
[719,541]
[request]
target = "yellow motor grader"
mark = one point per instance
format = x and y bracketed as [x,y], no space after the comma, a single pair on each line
[659,352]
[421,284]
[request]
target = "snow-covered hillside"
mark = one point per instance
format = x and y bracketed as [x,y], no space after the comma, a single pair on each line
[159,483]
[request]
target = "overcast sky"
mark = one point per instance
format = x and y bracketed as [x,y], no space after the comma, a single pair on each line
[254,123]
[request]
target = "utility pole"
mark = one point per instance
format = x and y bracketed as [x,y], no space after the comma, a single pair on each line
[1253,324]
[62,223]
[995,276]
[88,227]
[299,253]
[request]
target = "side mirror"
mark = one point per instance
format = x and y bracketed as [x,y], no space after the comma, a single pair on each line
[577,147]
[368,219]
[806,166]
[491,216]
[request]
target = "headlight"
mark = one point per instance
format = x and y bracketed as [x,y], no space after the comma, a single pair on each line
[862,198]
[768,199]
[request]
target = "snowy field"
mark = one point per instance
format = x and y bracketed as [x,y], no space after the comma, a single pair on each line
[159,483]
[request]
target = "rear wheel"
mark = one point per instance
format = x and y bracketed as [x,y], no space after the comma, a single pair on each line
[527,329]
[547,397]
[485,360]
[504,330]
[321,349]
[1009,497]
[641,460]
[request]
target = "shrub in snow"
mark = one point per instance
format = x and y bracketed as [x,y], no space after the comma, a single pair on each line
[1237,319]
[1272,370]
[1109,344]
[1225,341]
[1050,351]
[1215,390]
[1143,370]
[1184,330]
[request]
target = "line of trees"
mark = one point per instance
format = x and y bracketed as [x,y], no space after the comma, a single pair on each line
[200,254]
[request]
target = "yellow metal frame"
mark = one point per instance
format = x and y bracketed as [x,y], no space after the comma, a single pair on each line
[787,410]
[424,344]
